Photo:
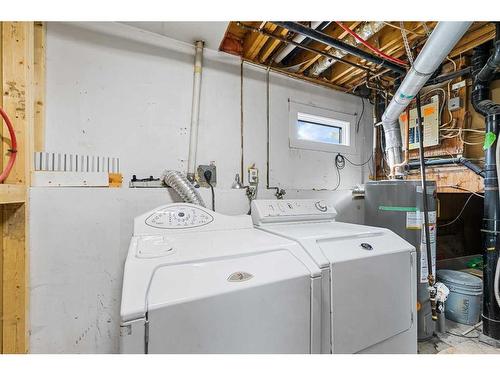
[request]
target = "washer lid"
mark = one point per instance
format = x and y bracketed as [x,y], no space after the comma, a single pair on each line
[180,283]
[197,248]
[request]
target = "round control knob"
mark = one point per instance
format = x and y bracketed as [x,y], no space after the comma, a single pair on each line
[321,206]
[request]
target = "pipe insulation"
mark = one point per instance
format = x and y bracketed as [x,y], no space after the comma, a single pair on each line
[365,31]
[177,181]
[440,43]
[195,109]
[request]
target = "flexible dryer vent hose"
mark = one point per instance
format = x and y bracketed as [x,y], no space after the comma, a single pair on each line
[177,181]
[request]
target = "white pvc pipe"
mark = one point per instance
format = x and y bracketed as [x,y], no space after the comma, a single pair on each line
[195,110]
[440,43]
[298,39]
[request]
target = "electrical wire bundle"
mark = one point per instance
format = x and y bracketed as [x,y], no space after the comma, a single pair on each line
[340,163]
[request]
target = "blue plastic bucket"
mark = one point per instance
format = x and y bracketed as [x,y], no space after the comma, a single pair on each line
[464,301]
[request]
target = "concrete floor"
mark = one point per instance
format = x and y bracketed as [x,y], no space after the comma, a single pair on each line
[452,342]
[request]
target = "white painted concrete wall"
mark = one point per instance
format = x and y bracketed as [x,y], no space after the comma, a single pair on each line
[128,94]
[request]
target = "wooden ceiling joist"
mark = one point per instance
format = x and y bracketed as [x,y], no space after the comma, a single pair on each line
[255,41]
[260,49]
[271,46]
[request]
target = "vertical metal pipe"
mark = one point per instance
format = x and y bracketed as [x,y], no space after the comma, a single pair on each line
[195,110]
[425,203]
[242,126]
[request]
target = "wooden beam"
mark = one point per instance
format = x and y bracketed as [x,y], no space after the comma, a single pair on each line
[18,62]
[255,41]
[474,38]
[451,179]
[17,46]
[321,82]
[39,82]
[270,46]
[12,193]
[391,42]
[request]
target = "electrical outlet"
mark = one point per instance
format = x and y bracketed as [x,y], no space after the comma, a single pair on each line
[253,176]
[454,103]
[201,178]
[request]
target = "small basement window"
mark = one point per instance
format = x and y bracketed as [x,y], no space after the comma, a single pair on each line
[320,129]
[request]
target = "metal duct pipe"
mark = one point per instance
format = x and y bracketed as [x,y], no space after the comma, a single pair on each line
[331,41]
[177,181]
[365,31]
[195,110]
[448,161]
[438,46]
[297,39]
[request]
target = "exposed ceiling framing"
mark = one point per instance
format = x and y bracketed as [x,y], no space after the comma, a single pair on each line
[261,41]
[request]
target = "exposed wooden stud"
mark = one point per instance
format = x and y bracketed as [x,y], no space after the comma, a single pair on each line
[1,208]
[18,55]
[39,82]
[17,58]
[15,283]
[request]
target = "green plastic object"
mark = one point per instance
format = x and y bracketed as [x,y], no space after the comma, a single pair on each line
[476,263]
[489,139]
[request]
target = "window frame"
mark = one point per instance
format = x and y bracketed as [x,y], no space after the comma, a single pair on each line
[327,117]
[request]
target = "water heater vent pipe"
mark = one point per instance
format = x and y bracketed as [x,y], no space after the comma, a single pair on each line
[440,43]
[195,110]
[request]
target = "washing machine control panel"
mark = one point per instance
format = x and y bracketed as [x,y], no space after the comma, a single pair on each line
[267,210]
[178,217]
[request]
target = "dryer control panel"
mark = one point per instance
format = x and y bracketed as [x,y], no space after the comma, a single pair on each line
[179,217]
[288,210]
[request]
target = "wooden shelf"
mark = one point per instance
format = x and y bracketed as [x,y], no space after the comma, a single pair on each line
[10,193]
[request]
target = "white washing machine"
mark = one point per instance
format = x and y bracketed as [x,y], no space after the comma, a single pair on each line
[369,276]
[196,281]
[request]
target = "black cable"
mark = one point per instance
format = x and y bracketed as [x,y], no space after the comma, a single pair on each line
[464,336]
[339,164]
[213,196]
[361,115]
[358,165]
[208,177]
